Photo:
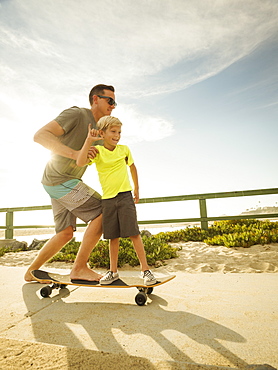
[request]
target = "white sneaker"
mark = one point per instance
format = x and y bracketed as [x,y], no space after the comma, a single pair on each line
[148,277]
[109,277]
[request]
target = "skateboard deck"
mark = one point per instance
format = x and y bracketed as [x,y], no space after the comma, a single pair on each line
[61,281]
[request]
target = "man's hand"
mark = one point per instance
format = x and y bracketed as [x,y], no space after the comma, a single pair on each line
[93,135]
[93,151]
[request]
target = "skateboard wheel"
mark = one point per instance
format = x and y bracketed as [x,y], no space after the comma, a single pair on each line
[63,286]
[141,298]
[149,290]
[46,291]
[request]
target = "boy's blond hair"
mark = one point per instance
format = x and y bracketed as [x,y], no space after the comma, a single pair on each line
[108,121]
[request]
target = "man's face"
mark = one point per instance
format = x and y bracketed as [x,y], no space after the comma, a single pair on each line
[102,101]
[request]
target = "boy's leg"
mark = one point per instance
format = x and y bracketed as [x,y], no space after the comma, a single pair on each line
[140,251]
[111,230]
[112,274]
[51,247]
[147,275]
[114,252]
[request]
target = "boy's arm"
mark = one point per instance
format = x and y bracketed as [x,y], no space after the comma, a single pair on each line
[134,176]
[82,155]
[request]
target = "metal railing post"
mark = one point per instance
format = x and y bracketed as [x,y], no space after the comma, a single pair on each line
[203,214]
[9,232]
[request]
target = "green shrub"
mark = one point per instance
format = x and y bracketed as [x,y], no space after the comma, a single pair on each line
[67,253]
[4,250]
[243,233]
[8,249]
[155,247]
[245,239]
[188,234]
[230,233]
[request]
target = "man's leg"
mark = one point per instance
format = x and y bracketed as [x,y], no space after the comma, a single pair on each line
[51,247]
[65,214]
[91,236]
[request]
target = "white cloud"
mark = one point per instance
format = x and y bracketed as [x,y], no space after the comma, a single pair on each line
[138,127]
[15,39]
[140,47]
[270,105]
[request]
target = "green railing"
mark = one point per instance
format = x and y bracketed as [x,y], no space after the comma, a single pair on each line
[203,219]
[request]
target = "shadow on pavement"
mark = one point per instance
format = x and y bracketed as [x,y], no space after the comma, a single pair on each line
[71,324]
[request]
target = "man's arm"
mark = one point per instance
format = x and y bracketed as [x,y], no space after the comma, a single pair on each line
[134,176]
[48,136]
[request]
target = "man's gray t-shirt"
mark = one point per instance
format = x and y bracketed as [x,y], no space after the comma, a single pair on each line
[74,122]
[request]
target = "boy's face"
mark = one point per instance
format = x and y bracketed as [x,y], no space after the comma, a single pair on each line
[111,137]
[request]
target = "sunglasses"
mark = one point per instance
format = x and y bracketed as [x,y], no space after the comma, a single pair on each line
[110,101]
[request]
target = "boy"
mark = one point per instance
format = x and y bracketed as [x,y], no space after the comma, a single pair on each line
[119,212]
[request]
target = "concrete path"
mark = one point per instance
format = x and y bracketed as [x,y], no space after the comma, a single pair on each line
[196,321]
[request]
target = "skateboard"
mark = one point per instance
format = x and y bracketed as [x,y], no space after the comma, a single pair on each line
[58,281]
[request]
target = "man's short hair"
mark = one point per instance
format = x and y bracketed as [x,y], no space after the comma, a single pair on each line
[99,90]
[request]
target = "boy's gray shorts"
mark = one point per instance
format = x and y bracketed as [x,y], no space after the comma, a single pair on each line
[119,218]
[82,202]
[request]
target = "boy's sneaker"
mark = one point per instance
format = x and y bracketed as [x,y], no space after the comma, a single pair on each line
[109,277]
[148,277]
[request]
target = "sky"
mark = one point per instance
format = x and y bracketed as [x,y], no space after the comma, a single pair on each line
[196,86]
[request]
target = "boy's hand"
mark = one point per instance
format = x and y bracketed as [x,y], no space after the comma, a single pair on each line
[93,134]
[136,196]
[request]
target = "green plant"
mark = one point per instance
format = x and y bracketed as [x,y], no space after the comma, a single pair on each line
[67,253]
[10,249]
[4,250]
[230,233]
[156,250]
[155,246]
[243,233]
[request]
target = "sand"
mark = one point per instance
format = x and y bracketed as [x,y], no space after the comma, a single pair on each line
[198,257]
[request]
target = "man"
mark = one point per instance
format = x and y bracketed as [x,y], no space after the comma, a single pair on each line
[70,197]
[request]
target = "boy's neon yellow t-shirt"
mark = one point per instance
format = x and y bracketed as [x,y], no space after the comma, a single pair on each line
[112,170]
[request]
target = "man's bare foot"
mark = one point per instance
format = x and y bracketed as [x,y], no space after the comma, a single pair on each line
[84,273]
[28,277]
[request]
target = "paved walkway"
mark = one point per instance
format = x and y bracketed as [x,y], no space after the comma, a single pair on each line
[196,321]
